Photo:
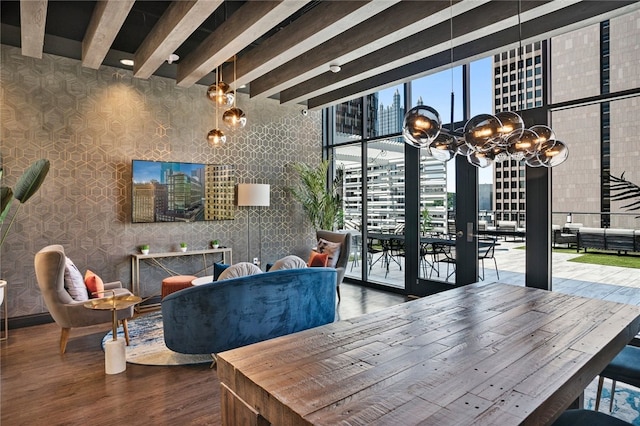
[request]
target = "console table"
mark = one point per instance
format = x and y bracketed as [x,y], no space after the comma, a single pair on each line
[492,354]
[154,260]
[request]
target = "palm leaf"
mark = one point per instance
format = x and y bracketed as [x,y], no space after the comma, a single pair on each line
[625,190]
[30,181]
[6,196]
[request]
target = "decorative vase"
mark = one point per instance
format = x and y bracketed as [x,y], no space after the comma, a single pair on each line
[215,246]
[183,249]
[144,251]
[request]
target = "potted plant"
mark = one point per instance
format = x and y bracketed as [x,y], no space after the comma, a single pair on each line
[144,249]
[183,246]
[320,199]
[215,244]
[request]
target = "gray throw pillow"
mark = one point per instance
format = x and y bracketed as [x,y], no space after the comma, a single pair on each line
[332,249]
[288,262]
[74,282]
[241,269]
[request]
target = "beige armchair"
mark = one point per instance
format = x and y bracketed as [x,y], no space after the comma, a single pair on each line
[344,238]
[67,313]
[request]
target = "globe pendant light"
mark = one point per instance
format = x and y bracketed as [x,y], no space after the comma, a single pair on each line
[443,150]
[234,118]
[421,126]
[480,159]
[216,136]
[519,146]
[219,91]
[512,124]
[480,132]
[552,153]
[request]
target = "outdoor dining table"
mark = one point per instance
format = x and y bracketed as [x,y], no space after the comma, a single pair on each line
[493,354]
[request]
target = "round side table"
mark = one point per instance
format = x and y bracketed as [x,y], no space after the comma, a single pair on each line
[115,359]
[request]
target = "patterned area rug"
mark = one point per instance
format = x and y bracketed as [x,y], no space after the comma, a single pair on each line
[147,344]
[626,402]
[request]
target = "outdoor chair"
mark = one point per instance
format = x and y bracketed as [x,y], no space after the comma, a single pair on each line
[445,253]
[487,251]
[428,252]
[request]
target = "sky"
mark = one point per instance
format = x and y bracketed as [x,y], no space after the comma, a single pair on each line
[435,91]
[146,171]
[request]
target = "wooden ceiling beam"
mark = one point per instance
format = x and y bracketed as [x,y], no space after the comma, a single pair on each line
[320,24]
[106,21]
[397,22]
[494,17]
[178,22]
[33,18]
[542,27]
[243,27]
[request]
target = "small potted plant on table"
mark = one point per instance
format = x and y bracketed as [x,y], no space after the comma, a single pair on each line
[215,244]
[144,249]
[183,246]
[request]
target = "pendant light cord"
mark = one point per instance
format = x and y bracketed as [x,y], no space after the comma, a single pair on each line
[451,60]
[520,68]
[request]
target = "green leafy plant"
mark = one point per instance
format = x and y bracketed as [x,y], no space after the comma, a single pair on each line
[183,245]
[425,224]
[215,243]
[27,185]
[321,200]
[144,247]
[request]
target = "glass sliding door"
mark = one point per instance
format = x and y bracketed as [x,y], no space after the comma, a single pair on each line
[385,209]
[437,260]
[349,158]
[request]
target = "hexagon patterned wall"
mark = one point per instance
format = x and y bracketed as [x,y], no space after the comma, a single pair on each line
[91,124]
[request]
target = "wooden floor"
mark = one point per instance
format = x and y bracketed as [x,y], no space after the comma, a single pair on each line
[38,386]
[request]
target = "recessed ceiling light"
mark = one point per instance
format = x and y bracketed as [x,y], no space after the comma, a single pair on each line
[127,62]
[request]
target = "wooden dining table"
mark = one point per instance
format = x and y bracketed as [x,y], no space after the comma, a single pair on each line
[491,354]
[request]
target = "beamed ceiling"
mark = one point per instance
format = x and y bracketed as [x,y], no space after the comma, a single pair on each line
[284,48]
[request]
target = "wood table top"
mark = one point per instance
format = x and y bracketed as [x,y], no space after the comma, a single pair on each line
[494,354]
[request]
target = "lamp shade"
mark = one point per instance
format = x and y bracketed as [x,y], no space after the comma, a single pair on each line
[253,194]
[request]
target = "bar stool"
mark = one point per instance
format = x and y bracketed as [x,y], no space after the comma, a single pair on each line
[175,283]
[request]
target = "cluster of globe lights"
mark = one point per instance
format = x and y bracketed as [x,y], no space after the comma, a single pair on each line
[233,118]
[485,138]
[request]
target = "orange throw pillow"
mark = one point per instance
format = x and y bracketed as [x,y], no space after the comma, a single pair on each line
[318,259]
[94,284]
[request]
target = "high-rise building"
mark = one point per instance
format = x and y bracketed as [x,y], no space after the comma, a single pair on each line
[597,69]
[349,118]
[592,71]
[517,85]
[390,117]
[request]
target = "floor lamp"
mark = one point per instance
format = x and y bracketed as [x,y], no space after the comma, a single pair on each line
[254,195]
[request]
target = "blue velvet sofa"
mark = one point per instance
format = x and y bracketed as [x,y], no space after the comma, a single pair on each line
[227,314]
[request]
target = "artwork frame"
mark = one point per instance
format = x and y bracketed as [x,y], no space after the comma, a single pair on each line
[171,191]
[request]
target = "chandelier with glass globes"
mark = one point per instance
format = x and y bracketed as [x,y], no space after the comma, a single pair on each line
[484,139]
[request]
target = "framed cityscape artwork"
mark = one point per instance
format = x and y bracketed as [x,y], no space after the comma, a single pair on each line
[165,191]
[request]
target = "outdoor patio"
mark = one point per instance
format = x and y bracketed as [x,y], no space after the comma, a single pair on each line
[614,283]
